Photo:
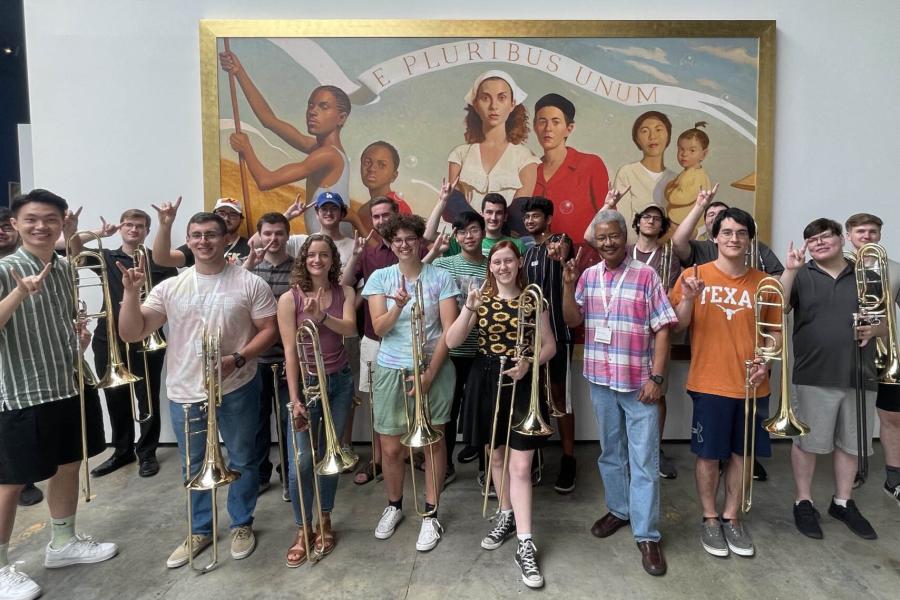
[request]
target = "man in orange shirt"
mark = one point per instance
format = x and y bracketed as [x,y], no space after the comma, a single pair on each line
[716,300]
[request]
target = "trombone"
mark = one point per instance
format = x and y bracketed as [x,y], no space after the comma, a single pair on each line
[370,378]
[214,472]
[751,259]
[873,290]
[665,265]
[420,433]
[769,295]
[530,314]
[116,372]
[335,459]
[151,343]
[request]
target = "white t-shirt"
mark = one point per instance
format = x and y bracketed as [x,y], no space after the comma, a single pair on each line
[504,176]
[229,300]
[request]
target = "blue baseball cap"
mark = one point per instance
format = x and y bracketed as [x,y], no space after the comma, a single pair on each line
[330,198]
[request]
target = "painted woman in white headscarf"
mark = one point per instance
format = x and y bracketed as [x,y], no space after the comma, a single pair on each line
[494,157]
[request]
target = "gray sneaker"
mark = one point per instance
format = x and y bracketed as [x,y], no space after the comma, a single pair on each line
[712,538]
[738,538]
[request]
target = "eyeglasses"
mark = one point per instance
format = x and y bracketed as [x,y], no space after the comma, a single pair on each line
[822,238]
[741,234]
[470,232]
[613,237]
[651,218]
[228,214]
[410,241]
[6,227]
[206,235]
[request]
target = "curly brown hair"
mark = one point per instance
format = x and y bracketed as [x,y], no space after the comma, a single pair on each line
[516,123]
[300,276]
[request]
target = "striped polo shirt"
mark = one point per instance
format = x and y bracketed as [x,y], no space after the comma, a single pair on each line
[464,272]
[279,279]
[38,348]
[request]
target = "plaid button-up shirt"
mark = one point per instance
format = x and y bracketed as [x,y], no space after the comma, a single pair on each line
[637,311]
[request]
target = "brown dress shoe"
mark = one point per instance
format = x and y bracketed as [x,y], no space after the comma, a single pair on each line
[652,558]
[607,525]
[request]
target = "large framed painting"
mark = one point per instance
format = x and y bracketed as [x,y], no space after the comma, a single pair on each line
[294,108]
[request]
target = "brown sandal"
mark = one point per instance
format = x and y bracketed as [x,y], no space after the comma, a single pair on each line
[296,554]
[324,541]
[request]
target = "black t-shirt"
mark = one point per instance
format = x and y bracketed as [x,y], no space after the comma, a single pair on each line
[824,348]
[116,290]
[240,247]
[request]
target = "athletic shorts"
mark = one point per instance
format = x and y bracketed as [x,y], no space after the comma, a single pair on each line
[392,404]
[717,428]
[888,397]
[34,441]
[831,416]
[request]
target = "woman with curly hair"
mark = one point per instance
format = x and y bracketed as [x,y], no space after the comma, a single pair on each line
[494,157]
[316,294]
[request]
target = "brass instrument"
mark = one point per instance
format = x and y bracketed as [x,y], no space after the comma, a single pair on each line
[752,257]
[769,294]
[116,372]
[214,472]
[335,460]
[529,316]
[665,265]
[151,343]
[315,389]
[370,377]
[420,433]
[873,289]
[276,401]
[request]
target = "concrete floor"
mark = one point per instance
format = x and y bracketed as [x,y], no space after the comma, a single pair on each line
[145,518]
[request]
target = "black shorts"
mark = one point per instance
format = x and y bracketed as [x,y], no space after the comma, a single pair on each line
[34,441]
[888,397]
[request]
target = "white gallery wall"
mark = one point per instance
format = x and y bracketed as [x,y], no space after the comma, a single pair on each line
[115,100]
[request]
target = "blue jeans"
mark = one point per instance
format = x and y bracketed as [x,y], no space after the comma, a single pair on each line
[340,398]
[629,458]
[237,419]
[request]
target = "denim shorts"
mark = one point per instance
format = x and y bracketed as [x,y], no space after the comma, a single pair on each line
[717,427]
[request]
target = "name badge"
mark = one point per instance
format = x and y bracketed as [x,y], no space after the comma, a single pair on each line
[603,335]
[198,348]
[534,263]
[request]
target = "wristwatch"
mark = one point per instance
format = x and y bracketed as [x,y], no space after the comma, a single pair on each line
[239,361]
[657,379]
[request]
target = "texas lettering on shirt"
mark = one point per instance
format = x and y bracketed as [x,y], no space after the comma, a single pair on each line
[730,300]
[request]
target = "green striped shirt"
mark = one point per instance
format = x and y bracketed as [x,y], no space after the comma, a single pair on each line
[38,347]
[464,272]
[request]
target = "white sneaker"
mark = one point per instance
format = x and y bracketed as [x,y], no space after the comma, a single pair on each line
[429,534]
[389,519]
[81,549]
[15,585]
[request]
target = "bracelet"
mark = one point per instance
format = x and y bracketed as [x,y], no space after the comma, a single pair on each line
[324,316]
[470,308]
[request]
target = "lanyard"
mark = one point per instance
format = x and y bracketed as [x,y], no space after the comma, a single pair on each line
[215,290]
[649,258]
[616,290]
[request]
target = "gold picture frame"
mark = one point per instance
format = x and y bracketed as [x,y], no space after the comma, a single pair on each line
[732,45]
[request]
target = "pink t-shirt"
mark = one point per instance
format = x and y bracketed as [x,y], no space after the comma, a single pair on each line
[229,300]
[334,355]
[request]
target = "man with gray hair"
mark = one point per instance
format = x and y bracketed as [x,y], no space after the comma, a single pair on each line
[626,318]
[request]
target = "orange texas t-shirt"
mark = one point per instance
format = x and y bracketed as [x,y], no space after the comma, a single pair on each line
[722,331]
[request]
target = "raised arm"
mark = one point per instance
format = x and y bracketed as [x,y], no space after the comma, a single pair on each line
[691,286]
[609,203]
[136,322]
[266,179]
[348,273]
[573,316]
[163,253]
[434,219]
[457,333]
[262,110]
[681,239]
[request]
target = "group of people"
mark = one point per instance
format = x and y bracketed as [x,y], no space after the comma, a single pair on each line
[399,299]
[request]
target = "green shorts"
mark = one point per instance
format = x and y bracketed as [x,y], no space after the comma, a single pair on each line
[391,399]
